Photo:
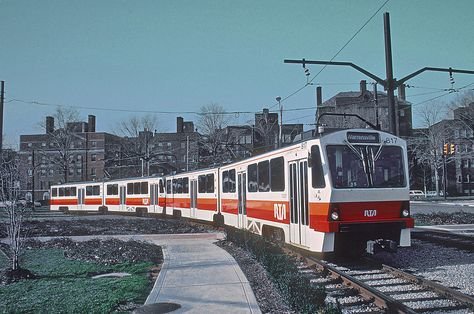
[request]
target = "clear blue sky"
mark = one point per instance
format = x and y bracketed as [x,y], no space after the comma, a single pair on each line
[178,55]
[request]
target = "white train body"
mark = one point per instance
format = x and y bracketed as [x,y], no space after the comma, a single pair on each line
[344,187]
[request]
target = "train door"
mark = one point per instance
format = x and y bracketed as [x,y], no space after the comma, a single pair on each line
[193,197]
[81,192]
[161,197]
[242,199]
[298,183]
[122,196]
[153,197]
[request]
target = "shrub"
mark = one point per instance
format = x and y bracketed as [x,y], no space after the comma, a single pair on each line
[294,286]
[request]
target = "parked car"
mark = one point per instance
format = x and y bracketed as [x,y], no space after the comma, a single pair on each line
[416,194]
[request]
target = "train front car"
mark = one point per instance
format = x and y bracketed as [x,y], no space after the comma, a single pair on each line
[364,195]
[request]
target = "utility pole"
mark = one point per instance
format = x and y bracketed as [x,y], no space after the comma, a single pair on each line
[281,122]
[33,179]
[187,153]
[392,110]
[2,99]
[376,107]
[389,84]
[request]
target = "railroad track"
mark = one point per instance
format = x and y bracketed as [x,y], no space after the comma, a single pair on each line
[370,287]
[448,239]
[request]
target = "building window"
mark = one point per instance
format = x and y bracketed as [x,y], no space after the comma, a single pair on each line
[402,113]
[71,171]
[30,172]
[30,158]
[30,144]
[43,144]
[43,172]
[79,171]
[93,172]
[93,157]
[168,144]
[93,144]
[51,172]
[456,133]
[160,144]
[79,158]
[183,144]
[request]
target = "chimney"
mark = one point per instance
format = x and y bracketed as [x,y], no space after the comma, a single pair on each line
[319,96]
[179,125]
[363,87]
[90,123]
[401,92]
[49,125]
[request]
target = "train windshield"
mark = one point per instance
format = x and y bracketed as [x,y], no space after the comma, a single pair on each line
[366,166]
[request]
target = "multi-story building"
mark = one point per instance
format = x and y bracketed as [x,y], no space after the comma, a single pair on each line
[72,153]
[428,145]
[366,105]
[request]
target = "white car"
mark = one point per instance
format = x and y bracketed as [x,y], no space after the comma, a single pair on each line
[416,194]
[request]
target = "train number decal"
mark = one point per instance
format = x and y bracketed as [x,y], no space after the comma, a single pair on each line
[279,211]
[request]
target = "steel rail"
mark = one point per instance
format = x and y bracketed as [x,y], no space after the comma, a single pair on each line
[442,290]
[380,299]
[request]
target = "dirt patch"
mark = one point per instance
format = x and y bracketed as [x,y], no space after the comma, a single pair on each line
[8,276]
[109,251]
[106,226]
[266,293]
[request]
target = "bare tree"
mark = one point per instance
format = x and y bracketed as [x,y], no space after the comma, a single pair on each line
[212,123]
[15,211]
[428,144]
[61,140]
[138,135]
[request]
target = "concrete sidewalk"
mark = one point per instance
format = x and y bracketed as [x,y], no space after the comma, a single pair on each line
[196,274]
[202,278]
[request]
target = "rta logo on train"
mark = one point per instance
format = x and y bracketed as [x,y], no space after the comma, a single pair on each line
[279,211]
[370,213]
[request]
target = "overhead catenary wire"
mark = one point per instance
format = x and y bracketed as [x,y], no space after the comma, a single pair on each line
[335,55]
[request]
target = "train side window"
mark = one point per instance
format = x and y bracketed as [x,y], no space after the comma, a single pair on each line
[136,187]
[232,180]
[110,189]
[162,190]
[61,191]
[179,186]
[89,190]
[54,192]
[317,175]
[96,190]
[264,176]
[252,177]
[129,188]
[168,187]
[210,183]
[174,186]
[73,191]
[277,174]
[225,181]
[185,185]
[202,184]
[67,191]
[144,187]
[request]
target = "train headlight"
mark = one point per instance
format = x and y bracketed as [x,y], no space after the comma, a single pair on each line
[335,216]
[405,210]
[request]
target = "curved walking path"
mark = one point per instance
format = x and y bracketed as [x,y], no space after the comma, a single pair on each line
[196,274]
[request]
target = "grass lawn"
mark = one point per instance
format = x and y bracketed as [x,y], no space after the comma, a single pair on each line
[66,286]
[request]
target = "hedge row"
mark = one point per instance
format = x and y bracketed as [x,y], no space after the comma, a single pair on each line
[294,286]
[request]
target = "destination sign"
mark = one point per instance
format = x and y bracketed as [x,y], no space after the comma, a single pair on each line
[362,137]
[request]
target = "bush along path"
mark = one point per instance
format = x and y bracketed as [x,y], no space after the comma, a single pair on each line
[64,277]
[294,290]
